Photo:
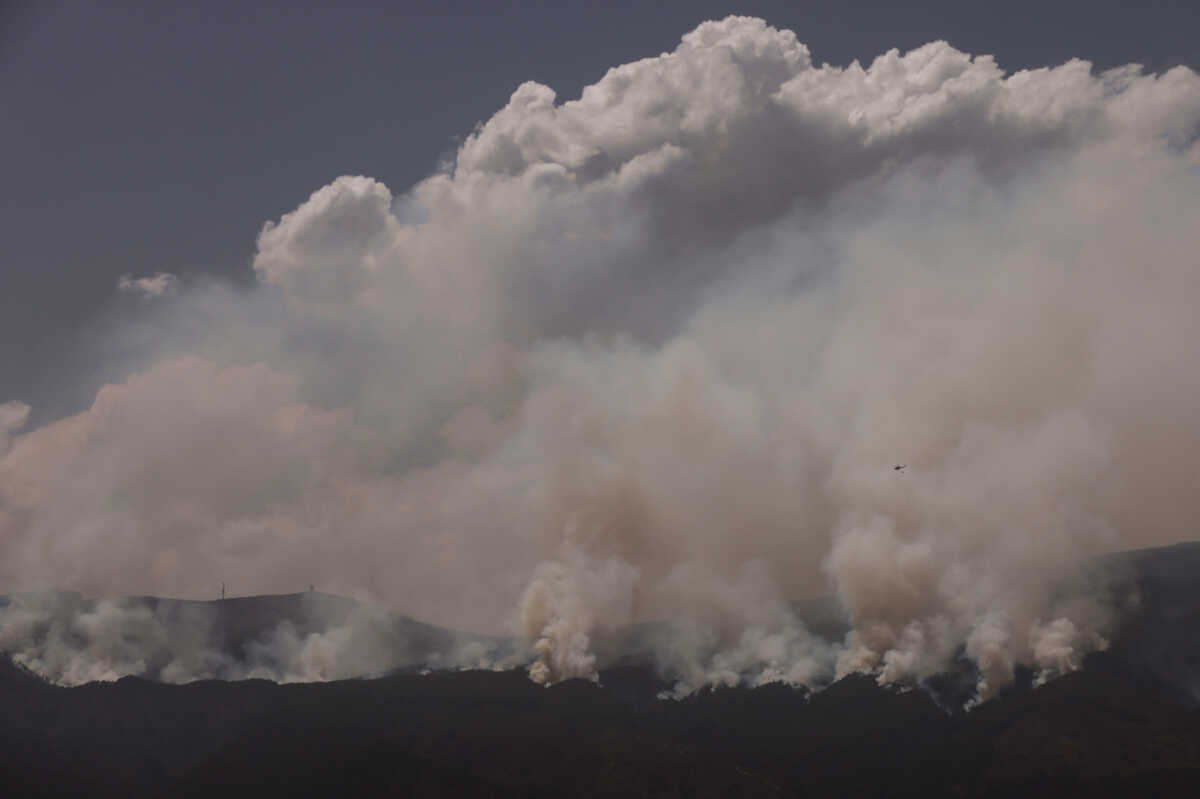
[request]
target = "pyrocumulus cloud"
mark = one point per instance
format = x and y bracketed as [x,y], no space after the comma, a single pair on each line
[645,360]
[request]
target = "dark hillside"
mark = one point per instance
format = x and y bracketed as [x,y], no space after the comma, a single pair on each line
[1100,731]
[1126,724]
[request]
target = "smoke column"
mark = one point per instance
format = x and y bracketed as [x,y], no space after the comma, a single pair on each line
[648,357]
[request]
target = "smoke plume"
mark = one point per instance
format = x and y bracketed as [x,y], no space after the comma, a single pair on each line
[646,360]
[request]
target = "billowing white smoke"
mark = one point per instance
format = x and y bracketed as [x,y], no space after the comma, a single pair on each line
[561,608]
[69,640]
[649,356]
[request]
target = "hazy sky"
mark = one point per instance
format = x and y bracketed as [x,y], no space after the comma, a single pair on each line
[147,137]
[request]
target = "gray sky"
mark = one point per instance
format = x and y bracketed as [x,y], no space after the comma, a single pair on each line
[146,137]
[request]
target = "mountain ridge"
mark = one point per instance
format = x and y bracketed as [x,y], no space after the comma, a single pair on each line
[1116,726]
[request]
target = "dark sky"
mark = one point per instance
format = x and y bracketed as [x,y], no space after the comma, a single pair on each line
[145,137]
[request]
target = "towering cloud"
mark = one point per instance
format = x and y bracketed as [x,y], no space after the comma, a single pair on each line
[649,356]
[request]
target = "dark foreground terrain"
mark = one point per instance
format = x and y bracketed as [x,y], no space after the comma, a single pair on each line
[1127,724]
[1097,732]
